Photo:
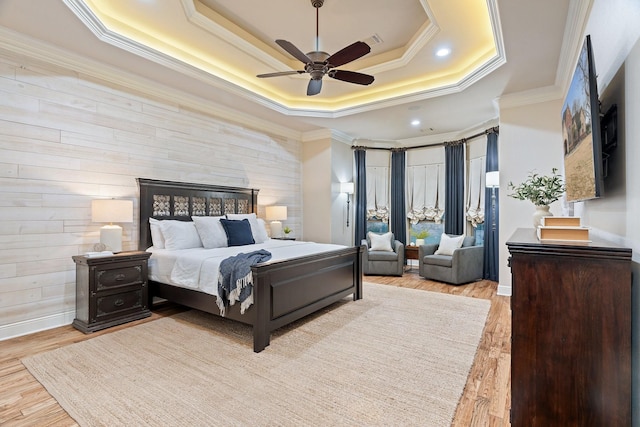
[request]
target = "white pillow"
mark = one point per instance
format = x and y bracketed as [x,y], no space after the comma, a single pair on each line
[211,231]
[262,229]
[449,244]
[157,239]
[259,233]
[380,242]
[180,235]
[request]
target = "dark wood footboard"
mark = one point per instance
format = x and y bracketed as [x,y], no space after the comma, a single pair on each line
[284,291]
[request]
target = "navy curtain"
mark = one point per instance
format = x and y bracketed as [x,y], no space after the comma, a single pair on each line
[491,214]
[454,189]
[398,209]
[361,196]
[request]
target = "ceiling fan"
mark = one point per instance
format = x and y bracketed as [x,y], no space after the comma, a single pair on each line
[318,63]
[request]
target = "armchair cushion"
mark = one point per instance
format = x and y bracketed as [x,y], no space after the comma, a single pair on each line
[381,242]
[448,244]
[442,260]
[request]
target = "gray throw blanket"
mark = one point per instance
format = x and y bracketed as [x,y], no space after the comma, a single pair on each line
[235,280]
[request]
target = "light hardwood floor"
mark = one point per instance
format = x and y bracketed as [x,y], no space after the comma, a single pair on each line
[485,402]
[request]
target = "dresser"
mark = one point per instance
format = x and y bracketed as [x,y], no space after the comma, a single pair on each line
[111,290]
[571,333]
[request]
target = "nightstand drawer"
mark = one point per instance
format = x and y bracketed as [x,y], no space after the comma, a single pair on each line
[115,305]
[121,276]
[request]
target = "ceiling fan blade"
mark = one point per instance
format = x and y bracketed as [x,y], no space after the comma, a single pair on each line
[348,54]
[351,77]
[294,51]
[314,87]
[281,73]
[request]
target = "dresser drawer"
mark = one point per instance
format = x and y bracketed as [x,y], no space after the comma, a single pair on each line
[121,276]
[116,305]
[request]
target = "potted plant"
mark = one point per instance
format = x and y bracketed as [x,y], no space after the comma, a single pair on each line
[541,190]
[420,236]
[286,231]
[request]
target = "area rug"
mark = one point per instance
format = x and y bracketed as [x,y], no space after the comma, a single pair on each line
[397,357]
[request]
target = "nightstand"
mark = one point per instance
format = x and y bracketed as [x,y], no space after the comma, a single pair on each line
[111,290]
[284,238]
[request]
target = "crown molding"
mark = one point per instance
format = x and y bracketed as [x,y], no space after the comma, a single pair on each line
[332,134]
[528,97]
[17,43]
[86,15]
[572,40]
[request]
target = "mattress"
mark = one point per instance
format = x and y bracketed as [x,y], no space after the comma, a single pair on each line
[198,268]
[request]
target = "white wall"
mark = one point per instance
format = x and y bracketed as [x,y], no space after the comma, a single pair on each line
[66,139]
[530,141]
[342,170]
[316,186]
[326,163]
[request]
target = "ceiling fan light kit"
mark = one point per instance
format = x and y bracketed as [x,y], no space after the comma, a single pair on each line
[318,64]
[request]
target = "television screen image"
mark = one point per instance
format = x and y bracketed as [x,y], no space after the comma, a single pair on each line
[581,131]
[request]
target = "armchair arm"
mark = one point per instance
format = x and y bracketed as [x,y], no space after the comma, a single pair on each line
[468,254]
[399,249]
[365,251]
[424,250]
[468,263]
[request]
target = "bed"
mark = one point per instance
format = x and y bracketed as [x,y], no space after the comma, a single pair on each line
[284,290]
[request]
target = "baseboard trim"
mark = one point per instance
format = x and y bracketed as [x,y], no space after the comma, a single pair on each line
[31,326]
[504,290]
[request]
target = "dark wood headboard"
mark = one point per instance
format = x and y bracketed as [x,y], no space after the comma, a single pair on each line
[181,200]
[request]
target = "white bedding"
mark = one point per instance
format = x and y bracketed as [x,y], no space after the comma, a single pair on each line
[197,268]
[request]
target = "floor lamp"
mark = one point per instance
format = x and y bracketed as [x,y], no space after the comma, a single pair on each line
[347,188]
[493,182]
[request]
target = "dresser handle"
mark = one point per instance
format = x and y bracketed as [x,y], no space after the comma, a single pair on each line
[120,277]
[118,302]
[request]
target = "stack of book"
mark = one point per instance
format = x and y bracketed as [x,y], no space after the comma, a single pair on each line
[562,228]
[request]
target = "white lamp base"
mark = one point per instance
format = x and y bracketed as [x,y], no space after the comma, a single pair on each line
[276,229]
[111,237]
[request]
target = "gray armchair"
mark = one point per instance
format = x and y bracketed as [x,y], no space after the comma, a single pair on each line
[465,265]
[383,263]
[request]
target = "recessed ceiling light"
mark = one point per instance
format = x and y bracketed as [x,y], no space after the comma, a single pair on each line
[443,52]
[415,122]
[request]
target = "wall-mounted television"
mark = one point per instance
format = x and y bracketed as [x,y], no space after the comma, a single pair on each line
[581,131]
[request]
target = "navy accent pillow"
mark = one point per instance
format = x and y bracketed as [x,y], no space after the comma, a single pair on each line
[238,232]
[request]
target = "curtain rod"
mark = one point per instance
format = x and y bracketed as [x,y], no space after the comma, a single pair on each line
[495,129]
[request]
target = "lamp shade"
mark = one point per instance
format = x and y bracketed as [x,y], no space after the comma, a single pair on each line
[111,210]
[493,179]
[347,187]
[276,213]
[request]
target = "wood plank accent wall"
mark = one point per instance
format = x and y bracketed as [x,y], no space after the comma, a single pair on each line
[66,139]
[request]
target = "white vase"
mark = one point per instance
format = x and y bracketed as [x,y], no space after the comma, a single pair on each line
[419,242]
[541,211]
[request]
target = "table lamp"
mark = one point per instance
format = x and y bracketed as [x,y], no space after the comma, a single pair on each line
[111,210]
[275,214]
